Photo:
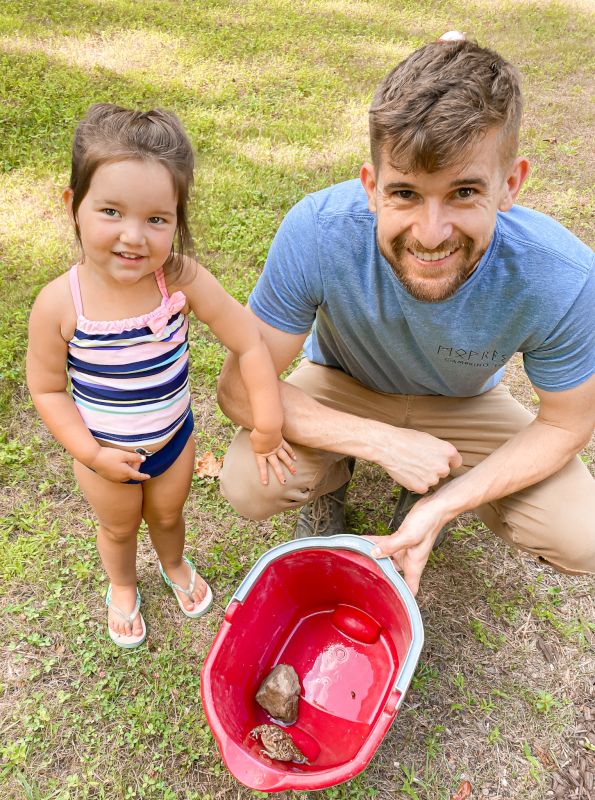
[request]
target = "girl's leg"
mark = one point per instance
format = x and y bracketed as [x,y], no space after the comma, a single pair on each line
[163,502]
[118,509]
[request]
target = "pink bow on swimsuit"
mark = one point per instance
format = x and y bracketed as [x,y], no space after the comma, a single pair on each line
[166,310]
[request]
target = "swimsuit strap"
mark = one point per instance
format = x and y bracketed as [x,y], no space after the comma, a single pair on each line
[160,278]
[75,290]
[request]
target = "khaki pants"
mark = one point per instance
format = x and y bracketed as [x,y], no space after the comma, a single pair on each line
[553,519]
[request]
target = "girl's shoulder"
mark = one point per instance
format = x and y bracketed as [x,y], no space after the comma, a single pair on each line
[191,278]
[54,305]
[183,275]
[204,294]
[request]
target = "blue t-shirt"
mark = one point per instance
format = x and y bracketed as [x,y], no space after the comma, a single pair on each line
[533,291]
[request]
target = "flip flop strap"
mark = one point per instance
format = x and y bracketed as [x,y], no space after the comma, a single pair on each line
[126,617]
[176,586]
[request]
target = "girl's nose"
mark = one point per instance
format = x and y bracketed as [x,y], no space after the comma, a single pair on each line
[432,226]
[132,233]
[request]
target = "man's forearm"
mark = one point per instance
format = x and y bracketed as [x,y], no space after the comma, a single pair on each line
[532,455]
[415,460]
[306,421]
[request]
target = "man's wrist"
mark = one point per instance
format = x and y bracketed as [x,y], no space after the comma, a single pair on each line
[451,499]
[371,447]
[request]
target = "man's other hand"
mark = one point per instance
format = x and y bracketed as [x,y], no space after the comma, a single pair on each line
[410,546]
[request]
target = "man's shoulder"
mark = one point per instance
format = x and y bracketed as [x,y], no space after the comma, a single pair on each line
[346,199]
[532,234]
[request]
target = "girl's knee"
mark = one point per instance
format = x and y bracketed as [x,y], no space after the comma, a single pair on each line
[165,521]
[119,534]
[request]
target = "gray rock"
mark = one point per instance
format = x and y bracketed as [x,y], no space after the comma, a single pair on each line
[279,692]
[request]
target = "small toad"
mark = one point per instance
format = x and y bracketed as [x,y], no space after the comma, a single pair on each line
[278,744]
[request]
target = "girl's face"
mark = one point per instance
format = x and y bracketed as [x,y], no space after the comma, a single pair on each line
[127,219]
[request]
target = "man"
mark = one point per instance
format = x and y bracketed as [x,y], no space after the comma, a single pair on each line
[410,289]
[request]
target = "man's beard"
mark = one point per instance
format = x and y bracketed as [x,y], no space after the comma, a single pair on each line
[429,288]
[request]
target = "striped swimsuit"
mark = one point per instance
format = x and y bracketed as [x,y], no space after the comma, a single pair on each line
[130,377]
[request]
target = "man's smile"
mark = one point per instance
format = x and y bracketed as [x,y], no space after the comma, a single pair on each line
[439,255]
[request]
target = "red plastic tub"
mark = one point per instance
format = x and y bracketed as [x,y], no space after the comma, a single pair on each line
[349,626]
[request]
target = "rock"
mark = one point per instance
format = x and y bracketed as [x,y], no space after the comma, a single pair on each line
[279,693]
[452,36]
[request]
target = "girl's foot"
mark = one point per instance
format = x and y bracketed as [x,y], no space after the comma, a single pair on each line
[123,599]
[192,592]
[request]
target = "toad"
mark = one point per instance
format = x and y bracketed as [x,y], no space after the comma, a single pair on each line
[278,744]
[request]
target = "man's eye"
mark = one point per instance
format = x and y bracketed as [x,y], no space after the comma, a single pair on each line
[404,194]
[465,192]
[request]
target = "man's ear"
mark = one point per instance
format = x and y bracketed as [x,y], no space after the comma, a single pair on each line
[512,185]
[367,175]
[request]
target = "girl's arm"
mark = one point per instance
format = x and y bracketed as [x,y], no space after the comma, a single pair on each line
[47,381]
[233,326]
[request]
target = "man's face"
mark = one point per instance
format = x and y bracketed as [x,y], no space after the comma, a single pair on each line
[433,228]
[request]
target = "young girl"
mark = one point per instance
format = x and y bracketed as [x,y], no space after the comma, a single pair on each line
[118,322]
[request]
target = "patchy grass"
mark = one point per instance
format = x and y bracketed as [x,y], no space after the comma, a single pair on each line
[274,96]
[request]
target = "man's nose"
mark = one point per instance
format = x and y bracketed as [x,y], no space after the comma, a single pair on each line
[432,225]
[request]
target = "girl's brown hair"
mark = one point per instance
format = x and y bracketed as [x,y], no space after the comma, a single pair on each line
[110,133]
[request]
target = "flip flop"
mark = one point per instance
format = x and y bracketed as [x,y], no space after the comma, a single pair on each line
[204,604]
[127,641]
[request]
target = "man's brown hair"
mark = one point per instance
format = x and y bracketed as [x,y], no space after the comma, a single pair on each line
[439,102]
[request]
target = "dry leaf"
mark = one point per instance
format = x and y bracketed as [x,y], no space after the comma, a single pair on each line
[546,649]
[463,792]
[208,466]
[545,757]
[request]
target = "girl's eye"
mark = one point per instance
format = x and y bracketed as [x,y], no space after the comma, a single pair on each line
[110,212]
[156,220]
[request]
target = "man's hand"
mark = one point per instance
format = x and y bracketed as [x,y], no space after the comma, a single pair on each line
[413,459]
[411,545]
[118,466]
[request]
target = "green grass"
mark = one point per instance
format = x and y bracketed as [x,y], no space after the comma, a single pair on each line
[274,95]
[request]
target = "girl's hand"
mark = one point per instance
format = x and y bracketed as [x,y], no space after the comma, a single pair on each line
[118,465]
[267,452]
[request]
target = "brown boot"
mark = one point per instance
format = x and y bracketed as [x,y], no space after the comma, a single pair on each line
[324,516]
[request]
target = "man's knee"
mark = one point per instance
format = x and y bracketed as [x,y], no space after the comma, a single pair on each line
[244,497]
[563,531]
[562,538]
[573,553]
[240,482]
[553,520]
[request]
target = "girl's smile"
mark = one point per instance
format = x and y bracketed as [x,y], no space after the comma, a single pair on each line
[129,256]
[127,219]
